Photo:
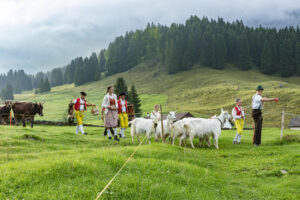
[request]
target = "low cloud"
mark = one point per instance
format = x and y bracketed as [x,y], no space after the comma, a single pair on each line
[38,35]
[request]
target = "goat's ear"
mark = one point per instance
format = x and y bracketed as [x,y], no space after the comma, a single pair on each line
[222,110]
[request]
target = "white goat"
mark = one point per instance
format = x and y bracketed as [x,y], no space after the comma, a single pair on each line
[167,124]
[204,128]
[178,130]
[141,126]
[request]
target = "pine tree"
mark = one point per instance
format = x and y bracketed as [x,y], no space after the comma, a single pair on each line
[286,61]
[135,100]
[41,86]
[219,52]
[120,86]
[56,77]
[173,58]
[266,59]
[242,52]
[79,78]
[46,86]
[207,51]
[102,61]
[93,68]
[189,57]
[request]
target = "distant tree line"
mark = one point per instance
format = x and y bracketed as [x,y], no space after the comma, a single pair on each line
[200,42]
[19,80]
[212,43]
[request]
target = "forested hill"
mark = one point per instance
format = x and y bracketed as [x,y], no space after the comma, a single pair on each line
[210,43]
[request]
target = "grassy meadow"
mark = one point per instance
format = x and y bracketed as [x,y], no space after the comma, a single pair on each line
[201,91]
[49,162]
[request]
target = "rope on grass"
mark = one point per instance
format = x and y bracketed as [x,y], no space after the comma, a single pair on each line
[124,165]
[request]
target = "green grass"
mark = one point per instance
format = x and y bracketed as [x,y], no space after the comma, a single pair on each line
[200,91]
[49,162]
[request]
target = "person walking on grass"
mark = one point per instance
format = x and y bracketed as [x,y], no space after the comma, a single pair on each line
[123,117]
[110,104]
[238,115]
[103,119]
[155,115]
[257,105]
[80,105]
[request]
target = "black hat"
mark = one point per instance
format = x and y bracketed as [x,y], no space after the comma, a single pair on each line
[123,93]
[83,93]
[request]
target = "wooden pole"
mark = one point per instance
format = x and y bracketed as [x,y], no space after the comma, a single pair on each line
[162,124]
[282,124]
[10,120]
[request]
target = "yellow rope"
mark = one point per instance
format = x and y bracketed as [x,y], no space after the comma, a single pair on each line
[124,165]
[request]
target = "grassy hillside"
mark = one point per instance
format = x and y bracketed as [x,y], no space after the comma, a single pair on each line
[201,91]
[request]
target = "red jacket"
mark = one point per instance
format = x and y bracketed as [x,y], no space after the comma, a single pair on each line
[120,106]
[77,104]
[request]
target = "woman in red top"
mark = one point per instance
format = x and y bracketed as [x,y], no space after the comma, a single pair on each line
[110,104]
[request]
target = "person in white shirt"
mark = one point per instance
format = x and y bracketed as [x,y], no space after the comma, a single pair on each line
[257,106]
[155,115]
[80,105]
[238,115]
[110,104]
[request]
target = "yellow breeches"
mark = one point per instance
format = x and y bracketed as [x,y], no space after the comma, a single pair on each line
[123,120]
[79,117]
[239,123]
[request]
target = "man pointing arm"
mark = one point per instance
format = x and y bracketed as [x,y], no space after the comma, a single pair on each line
[257,106]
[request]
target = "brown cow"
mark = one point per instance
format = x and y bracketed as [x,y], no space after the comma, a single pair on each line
[5,112]
[26,110]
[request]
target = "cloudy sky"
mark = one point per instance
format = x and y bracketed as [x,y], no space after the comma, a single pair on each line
[42,34]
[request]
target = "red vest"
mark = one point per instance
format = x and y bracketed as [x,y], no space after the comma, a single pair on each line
[77,104]
[238,111]
[120,106]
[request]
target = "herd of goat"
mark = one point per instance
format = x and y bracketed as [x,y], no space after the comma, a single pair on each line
[190,128]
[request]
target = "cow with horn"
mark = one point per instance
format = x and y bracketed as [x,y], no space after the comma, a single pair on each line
[26,110]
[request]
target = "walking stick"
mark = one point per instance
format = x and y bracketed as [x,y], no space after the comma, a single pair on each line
[162,125]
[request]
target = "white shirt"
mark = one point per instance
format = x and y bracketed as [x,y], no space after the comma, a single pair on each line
[123,106]
[81,104]
[256,102]
[155,116]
